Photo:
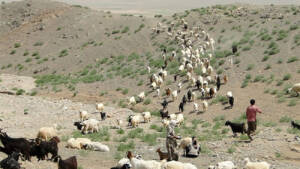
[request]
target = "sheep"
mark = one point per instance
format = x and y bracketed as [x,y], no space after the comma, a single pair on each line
[154,85]
[181,68]
[162,155]
[146,116]
[83,115]
[256,165]
[73,143]
[295,125]
[193,96]
[210,70]
[204,105]
[189,76]
[165,122]
[96,146]
[236,127]
[142,164]
[158,92]
[149,69]
[174,95]
[185,142]
[119,122]
[135,120]
[141,96]
[179,119]
[124,163]
[77,143]
[70,163]
[132,101]
[196,107]
[177,165]
[91,125]
[223,165]
[46,133]
[295,88]
[179,85]
[100,107]
[173,116]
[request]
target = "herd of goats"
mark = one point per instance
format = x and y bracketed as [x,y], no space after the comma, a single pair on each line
[197,49]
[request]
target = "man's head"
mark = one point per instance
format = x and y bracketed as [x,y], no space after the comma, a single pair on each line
[252,101]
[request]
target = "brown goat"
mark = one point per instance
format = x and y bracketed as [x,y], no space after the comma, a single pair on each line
[70,163]
[162,155]
[168,92]
[225,78]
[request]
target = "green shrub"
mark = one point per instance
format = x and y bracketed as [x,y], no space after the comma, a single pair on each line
[279,61]
[63,53]
[269,124]
[285,119]
[237,61]
[258,78]
[231,150]
[282,34]
[268,66]
[250,67]
[125,30]
[20,92]
[292,59]
[292,103]
[13,52]
[293,27]
[17,45]
[279,83]
[126,147]
[147,101]
[125,91]
[287,77]
[265,58]
[38,44]
[115,31]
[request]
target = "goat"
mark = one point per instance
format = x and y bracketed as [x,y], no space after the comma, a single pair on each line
[181,107]
[164,114]
[42,148]
[184,99]
[189,95]
[15,144]
[295,125]
[103,115]
[11,162]
[164,104]
[236,127]
[78,124]
[70,163]
[162,155]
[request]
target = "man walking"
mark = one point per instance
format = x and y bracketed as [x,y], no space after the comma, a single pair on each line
[251,117]
[171,143]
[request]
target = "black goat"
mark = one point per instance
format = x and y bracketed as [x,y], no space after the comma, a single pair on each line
[198,83]
[181,107]
[189,95]
[42,148]
[165,104]
[103,115]
[11,162]
[164,114]
[70,163]
[15,145]
[231,101]
[236,127]
[295,125]
[184,100]
[78,124]
[234,49]
[218,83]
[125,166]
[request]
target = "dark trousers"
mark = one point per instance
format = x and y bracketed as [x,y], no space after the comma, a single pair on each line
[251,128]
